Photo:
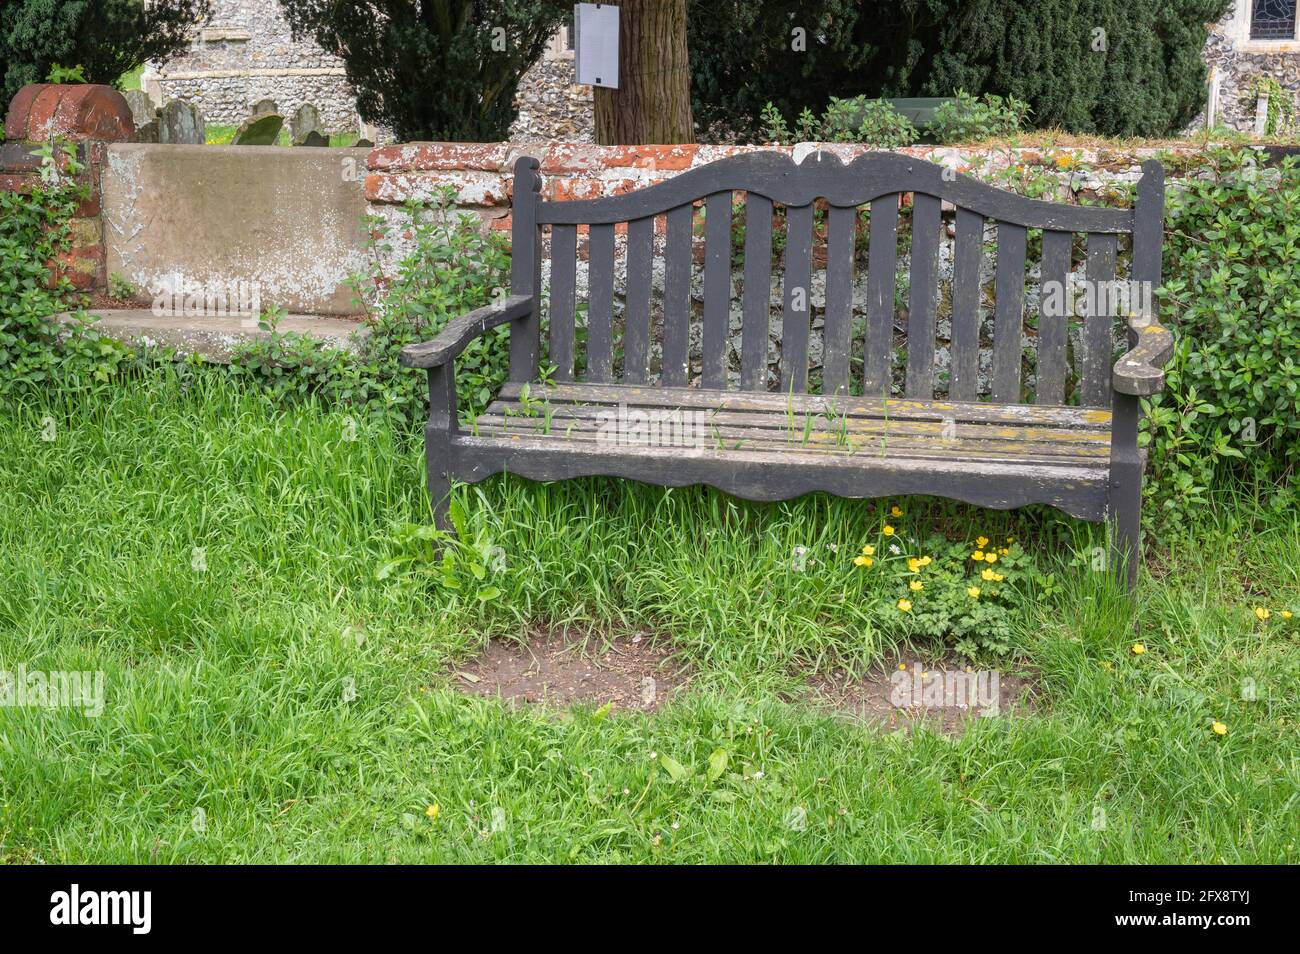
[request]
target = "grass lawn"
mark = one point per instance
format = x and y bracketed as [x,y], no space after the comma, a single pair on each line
[217,134]
[272,682]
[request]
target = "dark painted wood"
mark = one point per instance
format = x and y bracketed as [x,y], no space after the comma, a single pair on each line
[839,300]
[564,257]
[526,268]
[822,175]
[1053,329]
[677,297]
[636,315]
[757,293]
[717,289]
[1008,313]
[882,266]
[600,303]
[968,250]
[921,296]
[797,314]
[1098,329]
[772,446]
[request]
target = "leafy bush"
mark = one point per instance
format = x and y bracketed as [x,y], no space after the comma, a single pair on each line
[1232,294]
[446,266]
[871,121]
[970,119]
[36,352]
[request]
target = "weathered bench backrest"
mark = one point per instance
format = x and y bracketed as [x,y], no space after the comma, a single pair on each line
[875,181]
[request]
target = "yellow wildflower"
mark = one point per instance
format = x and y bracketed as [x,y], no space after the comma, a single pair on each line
[888,531]
[1138,649]
[978,556]
[863,561]
[1003,551]
[998,577]
[895,512]
[868,550]
[981,542]
[1262,613]
[973,592]
[990,557]
[916,585]
[988,576]
[1220,728]
[1285,614]
[902,667]
[925,561]
[905,605]
[432,810]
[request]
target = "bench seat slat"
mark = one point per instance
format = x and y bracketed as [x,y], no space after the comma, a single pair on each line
[766,401]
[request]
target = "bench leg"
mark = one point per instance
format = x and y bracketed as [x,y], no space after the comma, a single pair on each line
[1126,522]
[436,460]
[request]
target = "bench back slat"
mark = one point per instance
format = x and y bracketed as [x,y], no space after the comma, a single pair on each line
[882,267]
[677,296]
[1053,327]
[600,303]
[1009,313]
[838,320]
[717,289]
[757,293]
[921,296]
[666,253]
[964,345]
[564,262]
[797,296]
[636,313]
[1098,330]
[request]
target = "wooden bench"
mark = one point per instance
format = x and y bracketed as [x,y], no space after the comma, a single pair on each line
[984,438]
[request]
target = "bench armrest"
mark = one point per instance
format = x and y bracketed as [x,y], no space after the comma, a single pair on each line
[460,331]
[1140,370]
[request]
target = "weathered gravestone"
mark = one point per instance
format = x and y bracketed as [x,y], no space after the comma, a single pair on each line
[312,138]
[260,129]
[305,119]
[181,124]
[265,106]
[142,107]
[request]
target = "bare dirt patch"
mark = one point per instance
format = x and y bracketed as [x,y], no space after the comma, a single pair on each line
[559,668]
[942,693]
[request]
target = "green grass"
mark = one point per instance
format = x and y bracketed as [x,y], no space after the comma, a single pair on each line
[302,705]
[218,134]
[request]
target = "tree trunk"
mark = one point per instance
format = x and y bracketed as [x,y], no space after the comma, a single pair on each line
[653,101]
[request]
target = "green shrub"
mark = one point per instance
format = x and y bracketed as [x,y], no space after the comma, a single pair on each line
[859,119]
[446,266]
[1232,295]
[970,119]
[36,352]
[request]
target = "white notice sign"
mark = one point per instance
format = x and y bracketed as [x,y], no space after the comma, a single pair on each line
[595,43]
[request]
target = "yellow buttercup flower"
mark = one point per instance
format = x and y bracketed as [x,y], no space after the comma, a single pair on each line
[1138,649]
[1262,613]
[913,564]
[990,558]
[1285,614]
[432,810]
[998,577]
[1003,551]
[973,592]
[925,561]
[1011,539]
[905,605]
[888,531]
[988,576]
[868,550]
[1220,728]
[895,512]
[902,667]
[863,561]
[916,585]
[978,556]
[981,542]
